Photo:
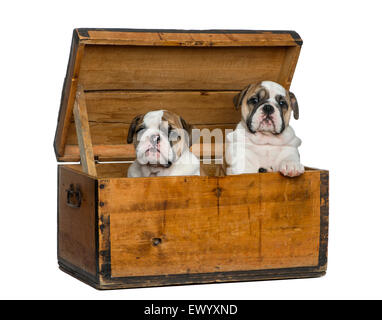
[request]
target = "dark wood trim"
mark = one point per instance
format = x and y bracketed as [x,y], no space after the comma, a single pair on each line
[96,229]
[58,211]
[105,255]
[191,279]
[324,219]
[215,277]
[77,272]
[104,242]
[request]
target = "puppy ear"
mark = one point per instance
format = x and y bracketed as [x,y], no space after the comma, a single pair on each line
[133,126]
[188,128]
[294,105]
[238,99]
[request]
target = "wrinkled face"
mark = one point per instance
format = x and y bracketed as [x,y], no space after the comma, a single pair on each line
[159,137]
[267,107]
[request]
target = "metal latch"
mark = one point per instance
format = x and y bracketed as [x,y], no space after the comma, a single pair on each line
[73,196]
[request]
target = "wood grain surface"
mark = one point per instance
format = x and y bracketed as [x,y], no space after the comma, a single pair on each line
[84,140]
[194,74]
[178,68]
[76,226]
[205,38]
[197,107]
[205,224]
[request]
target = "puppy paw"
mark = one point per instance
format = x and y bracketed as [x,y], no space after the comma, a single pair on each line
[291,168]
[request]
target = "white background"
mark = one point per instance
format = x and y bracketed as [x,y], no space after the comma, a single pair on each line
[338,85]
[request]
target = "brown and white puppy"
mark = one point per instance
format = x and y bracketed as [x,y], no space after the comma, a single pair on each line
[162,142]
[263,141]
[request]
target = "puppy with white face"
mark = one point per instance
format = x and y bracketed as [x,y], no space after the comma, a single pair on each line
[162,142]
[263,141]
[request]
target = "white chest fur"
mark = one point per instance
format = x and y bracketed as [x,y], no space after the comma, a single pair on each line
[247,152]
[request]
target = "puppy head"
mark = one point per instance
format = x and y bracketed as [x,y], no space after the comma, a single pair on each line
[160,137]
[266,107]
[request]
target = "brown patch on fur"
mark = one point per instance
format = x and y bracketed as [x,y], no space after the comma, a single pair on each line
[253,91]
[286,112]
[135,124]
[172,119]
[238,99]
[294,105]
[182,128]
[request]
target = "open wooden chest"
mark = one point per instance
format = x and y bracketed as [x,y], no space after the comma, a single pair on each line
[119,232]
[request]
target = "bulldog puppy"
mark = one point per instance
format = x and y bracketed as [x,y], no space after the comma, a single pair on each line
[263,141]
[162,142]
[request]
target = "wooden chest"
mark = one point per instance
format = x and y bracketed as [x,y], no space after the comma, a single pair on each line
[119,232]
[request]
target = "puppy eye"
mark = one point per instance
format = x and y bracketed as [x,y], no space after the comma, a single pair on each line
[253,100]
[282,103]
[174,136]
[139,130]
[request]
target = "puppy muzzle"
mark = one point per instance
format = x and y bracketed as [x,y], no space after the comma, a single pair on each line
[265,118]
[154,150]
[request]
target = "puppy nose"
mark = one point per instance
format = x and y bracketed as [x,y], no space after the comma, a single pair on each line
[268,109]
[154,139]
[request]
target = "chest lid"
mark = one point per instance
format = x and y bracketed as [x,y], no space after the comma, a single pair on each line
[126,72]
